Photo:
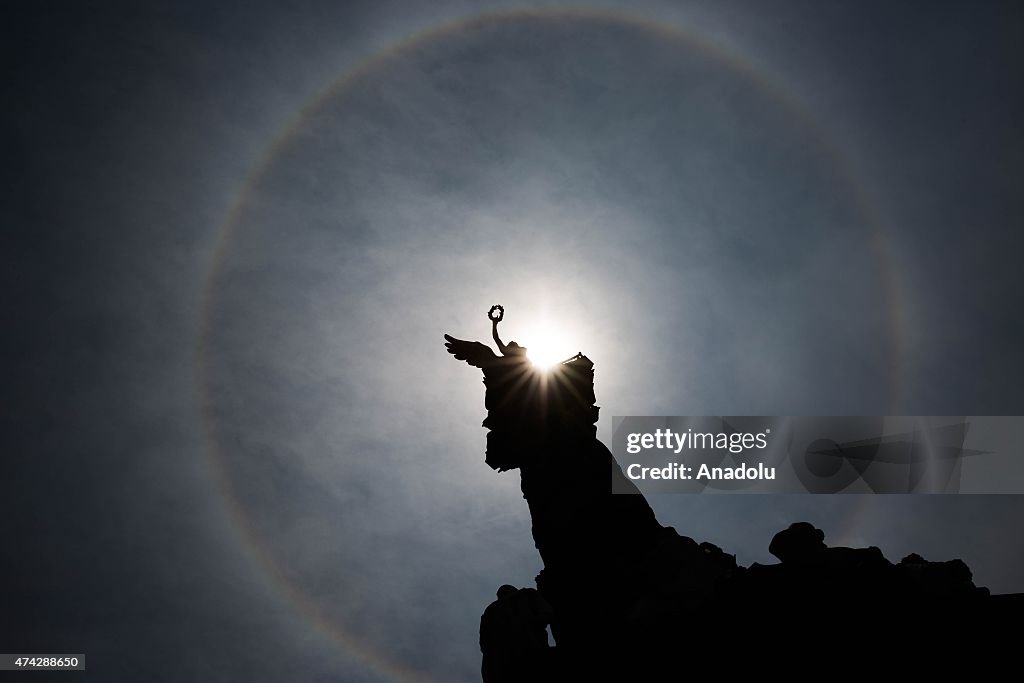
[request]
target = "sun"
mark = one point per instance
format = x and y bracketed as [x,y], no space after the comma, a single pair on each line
[546,346]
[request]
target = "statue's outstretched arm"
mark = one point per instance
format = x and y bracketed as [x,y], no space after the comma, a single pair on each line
[495,315]
[497,339]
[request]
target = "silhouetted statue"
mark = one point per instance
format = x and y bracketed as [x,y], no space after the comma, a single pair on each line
[625,596]
[800,542]
[514,637]
[480,355]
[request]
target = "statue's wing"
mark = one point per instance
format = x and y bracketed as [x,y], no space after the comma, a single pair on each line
[476,354]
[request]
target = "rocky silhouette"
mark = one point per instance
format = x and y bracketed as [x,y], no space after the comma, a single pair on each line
[627,597]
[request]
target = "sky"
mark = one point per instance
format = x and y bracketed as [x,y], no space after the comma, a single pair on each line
[234,446]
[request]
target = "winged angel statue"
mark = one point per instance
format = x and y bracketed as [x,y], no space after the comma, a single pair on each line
[480,355]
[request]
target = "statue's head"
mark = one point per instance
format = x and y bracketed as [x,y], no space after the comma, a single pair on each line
[514,349]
